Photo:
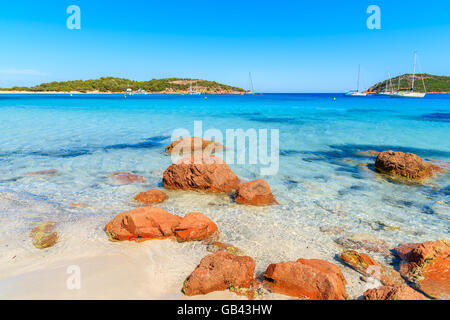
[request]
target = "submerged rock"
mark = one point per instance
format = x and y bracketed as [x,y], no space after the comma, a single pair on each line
[218,246]
[143,223]
[43,172]
[201,172]
[427,266]
[365,242]
[368,153]
[195,226]
[406,165]
[42,235]
[127,177]
[395,292]
[255,193]
[220,271]
[367,266]
[307,278]
[193,144]
[151,196]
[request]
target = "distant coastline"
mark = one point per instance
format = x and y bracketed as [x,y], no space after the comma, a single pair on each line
[115,93]
[112,85]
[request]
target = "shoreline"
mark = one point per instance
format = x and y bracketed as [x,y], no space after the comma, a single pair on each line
[157,93]
[116,93]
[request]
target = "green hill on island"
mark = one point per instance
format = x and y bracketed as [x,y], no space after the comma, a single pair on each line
[112,84]
[432,83]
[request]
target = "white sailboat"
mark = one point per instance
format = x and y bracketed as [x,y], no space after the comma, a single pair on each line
[411,93]
[129,92]
[193,93]
[356,93]
[387,92]
[250,84]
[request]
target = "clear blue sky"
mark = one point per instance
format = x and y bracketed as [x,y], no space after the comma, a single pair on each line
[289,46]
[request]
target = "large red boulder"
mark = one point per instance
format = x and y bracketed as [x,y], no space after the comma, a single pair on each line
[220,271]
[406,165]
[142,224]
[256,193]
[307,279]
[427,266]
[395,292]
[201,172]
[195,226]
[151,196]
[193,144]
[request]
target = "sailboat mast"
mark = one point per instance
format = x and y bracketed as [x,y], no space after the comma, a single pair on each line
[250,82]
[414,70]
[359,71]
[390,82]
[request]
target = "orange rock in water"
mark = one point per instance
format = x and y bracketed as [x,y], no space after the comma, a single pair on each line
[406,165]
[220,271]
[364,264]
[151,196]
[201,172]
[43,235]
[127,177]
[307,278]
[255,193]
[195,226]
[427,266]
[193,144]
[143,223]
[396,292]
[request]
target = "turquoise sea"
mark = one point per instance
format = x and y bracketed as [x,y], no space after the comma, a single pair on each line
[325,189]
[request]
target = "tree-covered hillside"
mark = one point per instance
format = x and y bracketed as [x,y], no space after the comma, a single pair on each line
[432,83]
[111,84]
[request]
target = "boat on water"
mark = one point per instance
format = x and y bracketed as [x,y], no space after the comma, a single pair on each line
[250,85]
[141,91]
[410,93]
[386,91]
[129,92]
[193,93]
[356,93]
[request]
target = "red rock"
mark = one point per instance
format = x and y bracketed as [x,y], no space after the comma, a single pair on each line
[406,165]
[396,292]
[127,177]
[256,193]
[49,172]
[193,144]
[220,271]
[201,172]
[367,266]
[151,196]
[142,224]
[307,278]
[427,266]
[195,226]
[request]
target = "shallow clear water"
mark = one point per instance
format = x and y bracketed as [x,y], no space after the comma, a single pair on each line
[320,182]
